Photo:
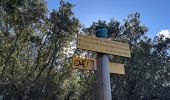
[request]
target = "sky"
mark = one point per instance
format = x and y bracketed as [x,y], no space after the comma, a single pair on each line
[155,14]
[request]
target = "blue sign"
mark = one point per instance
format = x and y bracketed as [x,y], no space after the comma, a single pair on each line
[101,31]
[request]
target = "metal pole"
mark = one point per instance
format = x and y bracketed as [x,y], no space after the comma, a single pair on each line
[106,77]
[100,94]
[103,75]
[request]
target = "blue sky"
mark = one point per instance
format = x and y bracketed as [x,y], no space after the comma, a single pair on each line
[155,14]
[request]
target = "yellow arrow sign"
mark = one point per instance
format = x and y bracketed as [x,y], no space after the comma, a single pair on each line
[83,63]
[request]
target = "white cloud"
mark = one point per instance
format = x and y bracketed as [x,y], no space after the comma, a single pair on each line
[165,33]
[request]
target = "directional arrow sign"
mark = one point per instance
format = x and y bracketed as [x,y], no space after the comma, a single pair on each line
[103,45]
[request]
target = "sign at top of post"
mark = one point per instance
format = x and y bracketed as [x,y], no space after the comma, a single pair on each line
[101,31]
[103,45]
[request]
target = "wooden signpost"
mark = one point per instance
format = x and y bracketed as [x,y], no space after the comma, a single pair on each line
[102,46]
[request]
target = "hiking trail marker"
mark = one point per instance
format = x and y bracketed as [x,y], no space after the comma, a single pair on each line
[83,63]
[103,46]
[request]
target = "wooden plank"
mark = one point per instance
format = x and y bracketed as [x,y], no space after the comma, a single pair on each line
[103,45]
[116,68]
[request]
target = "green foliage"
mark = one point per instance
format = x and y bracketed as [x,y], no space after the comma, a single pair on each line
[33,64]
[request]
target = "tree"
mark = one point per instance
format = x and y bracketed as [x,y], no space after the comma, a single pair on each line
[33,63]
